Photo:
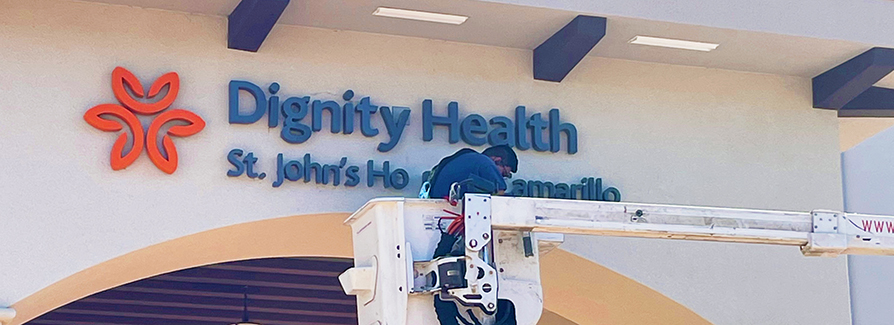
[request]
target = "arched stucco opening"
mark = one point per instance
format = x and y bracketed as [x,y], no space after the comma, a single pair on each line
[576,290]
[320,235]
[270,291]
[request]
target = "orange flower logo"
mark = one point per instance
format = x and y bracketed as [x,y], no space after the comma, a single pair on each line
[129,106]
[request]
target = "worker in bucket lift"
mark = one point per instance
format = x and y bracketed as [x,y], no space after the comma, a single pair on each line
[468,171]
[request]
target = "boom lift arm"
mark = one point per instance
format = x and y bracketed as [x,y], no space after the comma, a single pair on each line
[394,277]
[818,233]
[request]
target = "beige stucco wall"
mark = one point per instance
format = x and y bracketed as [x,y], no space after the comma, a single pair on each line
[659,133]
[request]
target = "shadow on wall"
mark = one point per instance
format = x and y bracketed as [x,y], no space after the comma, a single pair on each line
[576,290]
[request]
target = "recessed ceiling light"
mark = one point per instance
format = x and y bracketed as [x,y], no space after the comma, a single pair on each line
[673,43]
[420,15]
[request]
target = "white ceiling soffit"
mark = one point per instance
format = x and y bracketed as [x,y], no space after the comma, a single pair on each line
[865,21]
[887,82]
[206,7]
[525,27]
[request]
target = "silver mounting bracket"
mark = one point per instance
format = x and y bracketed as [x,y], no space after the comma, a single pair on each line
[828,238]
[480,275]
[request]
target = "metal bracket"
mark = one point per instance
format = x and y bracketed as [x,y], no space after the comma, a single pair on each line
[827,238]
[441,273]
[481,277]
[476,210]
[470,280]
[825,221]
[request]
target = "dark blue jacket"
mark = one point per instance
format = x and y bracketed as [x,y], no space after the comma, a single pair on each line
[461,168]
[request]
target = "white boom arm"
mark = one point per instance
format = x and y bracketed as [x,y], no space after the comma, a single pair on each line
[818,233]
[395,276]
